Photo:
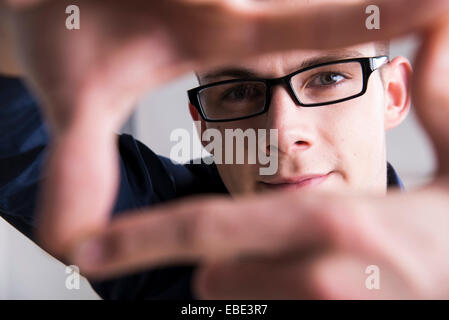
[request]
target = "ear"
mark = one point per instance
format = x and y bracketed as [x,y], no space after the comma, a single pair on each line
[196,117]
[397,79]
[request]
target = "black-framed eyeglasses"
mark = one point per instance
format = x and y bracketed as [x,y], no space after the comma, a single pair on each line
[319,85]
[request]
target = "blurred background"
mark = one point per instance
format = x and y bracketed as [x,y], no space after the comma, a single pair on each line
[27,272]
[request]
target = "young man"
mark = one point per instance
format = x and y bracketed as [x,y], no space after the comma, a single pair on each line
[323,144]
[333,147]
[337,145]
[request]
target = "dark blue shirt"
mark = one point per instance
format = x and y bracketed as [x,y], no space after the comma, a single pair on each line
[146,179]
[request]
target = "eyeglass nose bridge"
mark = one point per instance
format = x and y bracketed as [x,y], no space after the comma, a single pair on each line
[284,82]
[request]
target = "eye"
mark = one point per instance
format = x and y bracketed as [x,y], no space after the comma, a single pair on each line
[325,79]
[241,93]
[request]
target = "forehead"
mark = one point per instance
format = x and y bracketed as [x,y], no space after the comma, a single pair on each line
[280,64]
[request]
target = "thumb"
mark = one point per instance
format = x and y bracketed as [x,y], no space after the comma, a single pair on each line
[431,90]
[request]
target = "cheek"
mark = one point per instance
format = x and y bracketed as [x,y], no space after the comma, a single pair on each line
[238,178]
[354,130]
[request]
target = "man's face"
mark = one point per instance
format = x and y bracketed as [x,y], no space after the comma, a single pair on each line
[339,147]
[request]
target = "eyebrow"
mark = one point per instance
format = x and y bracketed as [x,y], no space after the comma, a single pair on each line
[239,72]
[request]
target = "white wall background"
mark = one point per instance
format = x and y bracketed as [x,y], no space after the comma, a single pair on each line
[26,272]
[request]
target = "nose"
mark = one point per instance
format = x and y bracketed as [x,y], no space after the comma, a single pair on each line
[290,119]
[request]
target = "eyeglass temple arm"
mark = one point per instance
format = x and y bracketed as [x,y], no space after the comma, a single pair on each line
[378,62]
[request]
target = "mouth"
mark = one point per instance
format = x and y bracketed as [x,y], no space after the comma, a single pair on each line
[295,183]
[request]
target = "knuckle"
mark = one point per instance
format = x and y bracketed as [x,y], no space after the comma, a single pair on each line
[128,239]
[119,244]
[194,226]
[344,223]
[318,284]
[205,282]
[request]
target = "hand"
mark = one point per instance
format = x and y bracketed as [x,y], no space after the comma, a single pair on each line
[317,246]
[93,75]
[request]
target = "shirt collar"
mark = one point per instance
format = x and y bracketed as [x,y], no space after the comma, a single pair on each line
[393,180]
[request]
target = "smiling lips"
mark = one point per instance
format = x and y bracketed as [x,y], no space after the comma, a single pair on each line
[296,183]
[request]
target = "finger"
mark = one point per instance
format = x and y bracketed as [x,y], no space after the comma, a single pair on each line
[75,187]
[431,95]
[401,272]
[258,279]
[334,275]
[262,27]
[205,230]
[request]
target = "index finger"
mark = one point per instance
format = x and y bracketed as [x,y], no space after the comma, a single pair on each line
[214,229]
